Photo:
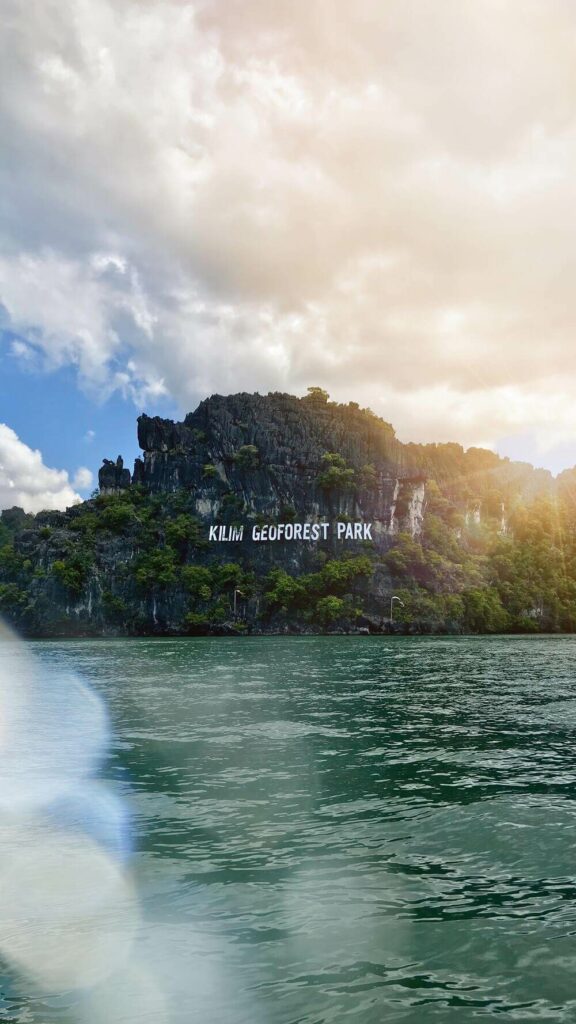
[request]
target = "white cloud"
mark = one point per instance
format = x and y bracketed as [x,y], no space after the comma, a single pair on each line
[26,481]
[374,197]
[83,478]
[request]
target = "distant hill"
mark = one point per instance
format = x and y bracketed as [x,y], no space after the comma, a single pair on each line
[275,513]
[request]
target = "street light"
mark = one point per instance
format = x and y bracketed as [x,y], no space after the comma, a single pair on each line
[392,599]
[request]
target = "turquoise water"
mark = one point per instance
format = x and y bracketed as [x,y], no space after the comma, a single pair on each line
[339,829]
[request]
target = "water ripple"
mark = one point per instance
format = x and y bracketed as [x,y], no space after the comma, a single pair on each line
[334,829]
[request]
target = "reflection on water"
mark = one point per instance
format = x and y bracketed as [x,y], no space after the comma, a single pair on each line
[335,828]
[69,917]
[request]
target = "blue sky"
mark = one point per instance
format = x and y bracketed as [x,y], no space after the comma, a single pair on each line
[50,411]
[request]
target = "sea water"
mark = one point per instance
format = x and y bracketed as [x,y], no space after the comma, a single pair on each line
[331,829]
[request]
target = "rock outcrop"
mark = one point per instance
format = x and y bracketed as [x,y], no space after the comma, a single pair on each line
[112,477]
[170,548]
[270,452]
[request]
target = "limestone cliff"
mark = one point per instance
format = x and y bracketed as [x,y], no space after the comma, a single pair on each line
[139,558]
[270,453]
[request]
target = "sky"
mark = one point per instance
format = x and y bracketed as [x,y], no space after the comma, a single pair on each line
[224,195]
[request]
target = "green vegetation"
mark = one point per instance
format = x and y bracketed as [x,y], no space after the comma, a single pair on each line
[479,577]
[316,394]
[336,474]
[184,534]
[321,596]
[329,609]
[468,570]
[247,457]
[12,599]
[115,516]
[116,609]
[493,551]
[198,581]
[155,570]
[368,477]
[11,562]
[73,571]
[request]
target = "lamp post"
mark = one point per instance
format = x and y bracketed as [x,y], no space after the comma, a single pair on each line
[392,599]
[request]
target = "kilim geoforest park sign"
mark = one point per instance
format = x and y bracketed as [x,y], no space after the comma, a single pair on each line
[309,532]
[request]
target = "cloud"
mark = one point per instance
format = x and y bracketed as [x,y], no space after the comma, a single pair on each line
[373,197]
[83,478]
[27,482]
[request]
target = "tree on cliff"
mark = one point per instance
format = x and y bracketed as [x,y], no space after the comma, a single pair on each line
[316,394]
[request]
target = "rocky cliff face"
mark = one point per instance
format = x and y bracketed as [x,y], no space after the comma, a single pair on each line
[270,453]
[141,558]
[112,477]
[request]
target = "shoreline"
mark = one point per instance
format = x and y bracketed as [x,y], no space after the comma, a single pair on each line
[260,635]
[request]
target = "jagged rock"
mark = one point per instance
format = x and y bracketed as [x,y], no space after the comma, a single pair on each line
[112,477]
[291,437]
[16,518]
[256,460]
[157,434]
